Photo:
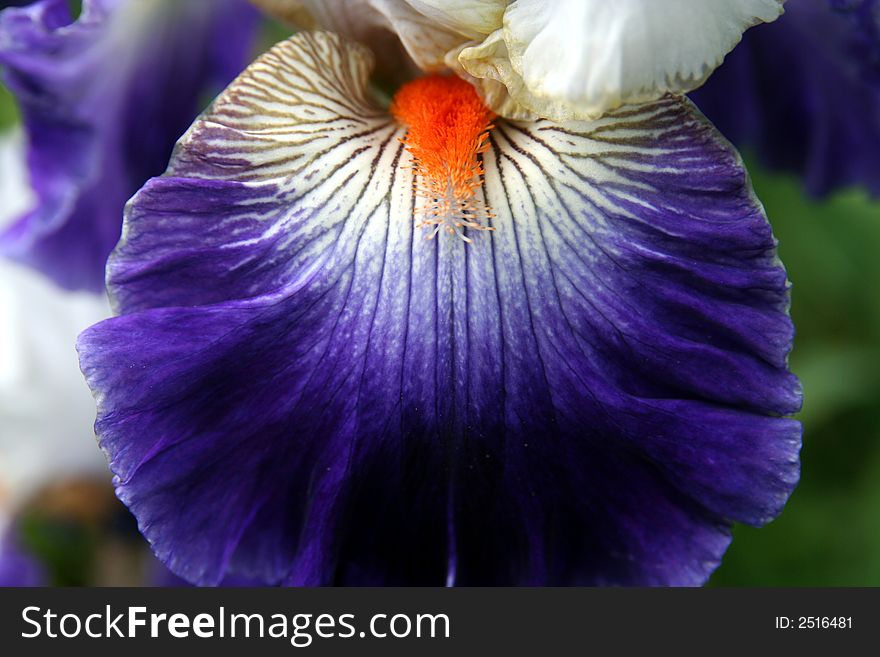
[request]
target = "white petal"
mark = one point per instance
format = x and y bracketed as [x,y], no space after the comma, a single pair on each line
[377,24]
[577,59]
[15,190]
[487,66]
[473,19]
[46,411]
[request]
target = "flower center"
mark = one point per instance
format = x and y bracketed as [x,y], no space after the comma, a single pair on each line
[447,130]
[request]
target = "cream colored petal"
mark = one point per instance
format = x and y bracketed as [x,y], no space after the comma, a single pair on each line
[577,59]
[473,19]
[487,66]
[378,24]
[425,41]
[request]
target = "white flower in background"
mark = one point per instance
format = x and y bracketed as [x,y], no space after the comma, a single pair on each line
[562,60]
[46,411]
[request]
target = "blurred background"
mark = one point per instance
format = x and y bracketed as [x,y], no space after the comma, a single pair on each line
[74,532]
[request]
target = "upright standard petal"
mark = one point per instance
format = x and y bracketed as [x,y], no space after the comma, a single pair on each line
[103,101]
[569,59]
[577,59]
[804,93]
[301,388]
[379,24]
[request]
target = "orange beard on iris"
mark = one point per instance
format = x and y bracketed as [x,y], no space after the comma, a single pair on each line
[447,130]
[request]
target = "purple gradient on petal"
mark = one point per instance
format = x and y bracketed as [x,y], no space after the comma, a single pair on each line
[597,412]
[159,575]
[804,94]
[102,108]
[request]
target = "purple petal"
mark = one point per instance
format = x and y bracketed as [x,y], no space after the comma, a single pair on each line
[804,93]
[103,101]
[303,389]
[864,37]
[158,575]
[17,568]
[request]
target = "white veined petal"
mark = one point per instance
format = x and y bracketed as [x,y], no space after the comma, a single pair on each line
[299,130]
[577,59]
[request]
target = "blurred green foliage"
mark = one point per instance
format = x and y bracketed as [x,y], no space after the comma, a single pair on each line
[66,548]
[8,109]
[829,534]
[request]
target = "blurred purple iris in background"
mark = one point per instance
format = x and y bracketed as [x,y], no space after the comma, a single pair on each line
[17,567]
[804,94]
[103,100]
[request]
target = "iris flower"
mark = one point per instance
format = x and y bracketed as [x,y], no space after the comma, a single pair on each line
[103,100]
[804,94]
[580,378]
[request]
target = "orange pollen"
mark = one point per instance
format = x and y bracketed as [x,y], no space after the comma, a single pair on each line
[447,130]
